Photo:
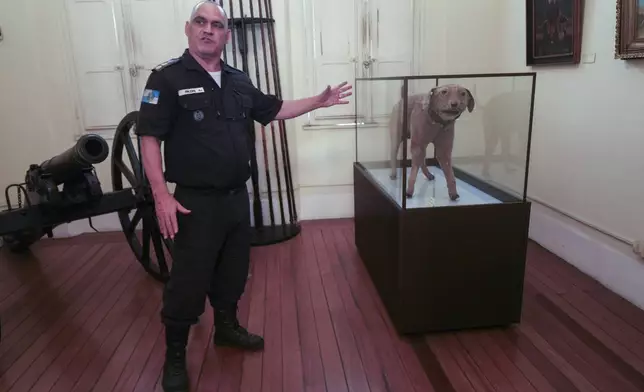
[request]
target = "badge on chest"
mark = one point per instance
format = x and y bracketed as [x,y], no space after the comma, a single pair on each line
[197,115]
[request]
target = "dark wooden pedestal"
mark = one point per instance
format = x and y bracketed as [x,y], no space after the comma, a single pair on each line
[442,268]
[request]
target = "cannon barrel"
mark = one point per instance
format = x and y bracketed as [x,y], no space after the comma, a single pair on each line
[88,151]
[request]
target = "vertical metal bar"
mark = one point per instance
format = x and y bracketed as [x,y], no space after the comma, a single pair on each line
[527,163]
[231,26]
[355,120]
[278,89]
[433,145]
[221,4]
[241,35]
[273,133]
[266,166]
[243,51]
[405,133]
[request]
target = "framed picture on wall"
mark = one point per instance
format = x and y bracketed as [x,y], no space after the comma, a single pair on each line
[629,31]
[553,31]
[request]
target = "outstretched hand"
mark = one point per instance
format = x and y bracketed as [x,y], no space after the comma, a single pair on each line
[335,96]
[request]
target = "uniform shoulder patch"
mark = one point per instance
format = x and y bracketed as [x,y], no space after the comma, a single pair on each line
[167,64]
[150,96]
[232,69]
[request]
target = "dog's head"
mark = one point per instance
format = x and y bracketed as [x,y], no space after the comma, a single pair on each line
[449,101]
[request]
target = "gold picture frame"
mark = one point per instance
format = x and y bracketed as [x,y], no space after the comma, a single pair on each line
[629,30]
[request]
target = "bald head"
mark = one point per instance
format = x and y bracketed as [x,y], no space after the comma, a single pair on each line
[208,3]
[207,30]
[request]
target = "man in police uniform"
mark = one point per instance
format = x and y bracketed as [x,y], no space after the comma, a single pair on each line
[201,108]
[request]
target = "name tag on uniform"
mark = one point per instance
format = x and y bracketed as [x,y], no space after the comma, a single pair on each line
[188,91]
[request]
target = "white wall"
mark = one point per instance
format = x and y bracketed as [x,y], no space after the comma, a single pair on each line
[37,112]
[587,139]
[587,156]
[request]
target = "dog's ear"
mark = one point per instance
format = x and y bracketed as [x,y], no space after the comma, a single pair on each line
[470,103]
[427,100]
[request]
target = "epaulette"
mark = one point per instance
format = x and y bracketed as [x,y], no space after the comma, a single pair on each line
[167,63]
[232,69]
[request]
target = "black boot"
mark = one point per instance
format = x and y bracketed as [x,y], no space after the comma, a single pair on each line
[228,332]
[175,375]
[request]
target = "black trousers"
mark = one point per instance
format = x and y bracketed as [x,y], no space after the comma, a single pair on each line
[211,254]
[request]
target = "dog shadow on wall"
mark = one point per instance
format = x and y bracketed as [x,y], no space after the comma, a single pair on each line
[504,121]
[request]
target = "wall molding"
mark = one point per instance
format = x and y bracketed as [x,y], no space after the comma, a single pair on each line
[611,262]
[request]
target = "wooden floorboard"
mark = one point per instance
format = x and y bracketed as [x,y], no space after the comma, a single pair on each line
[80,314]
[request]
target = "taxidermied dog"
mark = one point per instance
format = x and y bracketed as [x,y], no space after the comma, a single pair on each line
[431,119]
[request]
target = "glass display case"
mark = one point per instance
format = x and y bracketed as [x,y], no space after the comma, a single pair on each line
[440,182]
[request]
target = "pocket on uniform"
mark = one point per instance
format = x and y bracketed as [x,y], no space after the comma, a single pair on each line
[195,101]
[197,110]
[246,101]
[245,106]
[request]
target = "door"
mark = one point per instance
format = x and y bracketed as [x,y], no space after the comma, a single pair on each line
[335,51]
[101,63]
[361,38]
[388,44]
[113,65]
[156,34]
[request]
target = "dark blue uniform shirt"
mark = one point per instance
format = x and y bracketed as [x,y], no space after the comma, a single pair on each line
[206,129]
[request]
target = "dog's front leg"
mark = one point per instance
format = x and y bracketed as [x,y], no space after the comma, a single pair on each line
[444,144]
[417,161]
[393,158]
[411,182]
[426,172]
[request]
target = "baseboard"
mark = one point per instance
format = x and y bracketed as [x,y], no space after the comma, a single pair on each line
[611,262]
[103,223]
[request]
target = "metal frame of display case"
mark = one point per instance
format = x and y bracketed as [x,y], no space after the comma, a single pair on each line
[444,268]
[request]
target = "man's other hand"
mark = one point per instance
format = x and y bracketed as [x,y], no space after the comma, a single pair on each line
[166,208]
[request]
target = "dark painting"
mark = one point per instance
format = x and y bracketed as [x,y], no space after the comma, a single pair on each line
[553,31]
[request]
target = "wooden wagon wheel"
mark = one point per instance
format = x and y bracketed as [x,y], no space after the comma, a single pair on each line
[149,247]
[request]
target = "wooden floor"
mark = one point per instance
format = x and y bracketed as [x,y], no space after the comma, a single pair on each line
[81,315]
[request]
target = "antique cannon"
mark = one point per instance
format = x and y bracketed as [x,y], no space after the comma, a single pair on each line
[73,169]
[66,188]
